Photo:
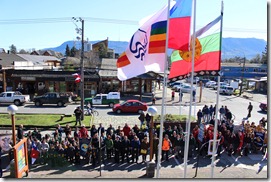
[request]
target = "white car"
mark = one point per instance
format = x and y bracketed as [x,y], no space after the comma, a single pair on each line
[187,88]
[177,87]
[210,84]
[221,85]
[227,90]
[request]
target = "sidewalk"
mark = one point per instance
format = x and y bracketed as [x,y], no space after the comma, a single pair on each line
[171,169]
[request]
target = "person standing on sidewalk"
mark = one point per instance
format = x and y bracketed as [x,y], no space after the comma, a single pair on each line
[165,147]
[172,95]
[249,108]
[180,96]
[78,113]
[20,132]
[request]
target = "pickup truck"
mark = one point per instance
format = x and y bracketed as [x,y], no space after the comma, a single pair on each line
[104,99]
[14,97]
[52,98]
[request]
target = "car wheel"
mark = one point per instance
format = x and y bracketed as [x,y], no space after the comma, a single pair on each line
[111,105]
[140,111]
[60,104]
[38,103]
[17,102]
[118,111]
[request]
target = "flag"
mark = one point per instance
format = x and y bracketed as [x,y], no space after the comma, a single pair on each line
[207,54]
[34,153]
[84,143]
[147,47]
[77,77]
[179,25]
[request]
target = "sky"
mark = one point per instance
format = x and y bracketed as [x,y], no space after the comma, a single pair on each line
[42,24]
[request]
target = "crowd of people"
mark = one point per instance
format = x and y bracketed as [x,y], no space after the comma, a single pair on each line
[132,144]
[250,137]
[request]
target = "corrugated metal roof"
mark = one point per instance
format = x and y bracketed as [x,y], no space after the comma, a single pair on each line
[108,73]
[37,59]
[6,60]
[109,64]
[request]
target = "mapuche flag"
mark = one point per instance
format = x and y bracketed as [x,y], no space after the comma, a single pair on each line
[207,54]
[147,47]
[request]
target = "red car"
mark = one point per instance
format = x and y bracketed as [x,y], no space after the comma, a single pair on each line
[263,106]
[130,106]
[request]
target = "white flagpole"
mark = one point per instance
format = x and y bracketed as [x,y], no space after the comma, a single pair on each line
[163,100]
[188,123]
[217,97]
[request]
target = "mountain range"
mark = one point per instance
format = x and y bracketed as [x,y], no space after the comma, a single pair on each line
[231,47]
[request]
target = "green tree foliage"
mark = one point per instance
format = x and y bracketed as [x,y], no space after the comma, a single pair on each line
[256,59]
[264,56]
[73,51]
[102,51]
[13,49]
[68,51]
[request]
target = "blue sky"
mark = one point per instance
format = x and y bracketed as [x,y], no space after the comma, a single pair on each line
[242,18]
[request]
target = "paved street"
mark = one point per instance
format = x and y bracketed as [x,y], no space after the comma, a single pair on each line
[232,167]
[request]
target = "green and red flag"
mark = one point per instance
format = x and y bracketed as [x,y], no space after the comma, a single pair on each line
[207,54]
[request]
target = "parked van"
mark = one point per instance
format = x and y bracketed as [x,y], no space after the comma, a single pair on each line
[227,90]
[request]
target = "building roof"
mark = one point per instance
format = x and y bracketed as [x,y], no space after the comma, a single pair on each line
[109,64]
[37,59]
[7,60]
[241,64]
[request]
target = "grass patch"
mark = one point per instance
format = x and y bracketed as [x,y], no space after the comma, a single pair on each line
[41,120]
[172,118]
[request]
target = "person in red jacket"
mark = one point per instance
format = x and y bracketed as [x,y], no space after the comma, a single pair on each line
[221,142]
[83,132]
[241,142]
[126,129]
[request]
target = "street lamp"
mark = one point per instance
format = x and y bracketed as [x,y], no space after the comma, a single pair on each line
[12,111]
[152,111]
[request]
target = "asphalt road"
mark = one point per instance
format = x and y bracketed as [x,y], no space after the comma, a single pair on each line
[237,105]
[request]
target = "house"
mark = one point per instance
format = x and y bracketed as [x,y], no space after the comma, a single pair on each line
[142,84]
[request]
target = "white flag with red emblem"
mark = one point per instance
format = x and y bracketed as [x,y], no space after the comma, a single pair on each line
[77,77]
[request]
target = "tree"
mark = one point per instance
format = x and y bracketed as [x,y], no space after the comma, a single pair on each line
[13,49]
[73,51]
[256,59]
[264,56]
[22,51]
[68,51]
[102,51]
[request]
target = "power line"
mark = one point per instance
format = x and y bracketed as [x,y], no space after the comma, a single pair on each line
[65,19]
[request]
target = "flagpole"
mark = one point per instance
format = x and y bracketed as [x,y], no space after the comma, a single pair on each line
[217,96]
[163,100]
[100,151]
[191,91]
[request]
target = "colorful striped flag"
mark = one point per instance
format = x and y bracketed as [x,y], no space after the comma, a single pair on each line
[207,54]
[147,47]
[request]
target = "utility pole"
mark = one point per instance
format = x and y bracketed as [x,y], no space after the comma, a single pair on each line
[82,69]
[81,31]
[242,79]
